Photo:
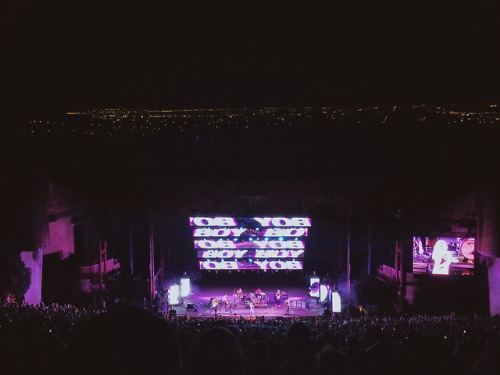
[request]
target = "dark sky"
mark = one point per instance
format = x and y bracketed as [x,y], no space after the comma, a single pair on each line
[80,54]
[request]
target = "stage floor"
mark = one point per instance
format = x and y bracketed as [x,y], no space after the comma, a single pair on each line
[197,304]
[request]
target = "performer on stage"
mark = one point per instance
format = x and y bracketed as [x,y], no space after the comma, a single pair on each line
[287,305]
[224,301]
[259,296]
[252,309]
[277,297]
[442,258]
[214,304]
[238,293]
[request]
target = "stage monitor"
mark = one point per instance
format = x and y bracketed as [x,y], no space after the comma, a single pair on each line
[250,243]
[443,255]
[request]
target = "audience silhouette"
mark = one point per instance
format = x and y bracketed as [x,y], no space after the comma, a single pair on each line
[129,340]
[126,340]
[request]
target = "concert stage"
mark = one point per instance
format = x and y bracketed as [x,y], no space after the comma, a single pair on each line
[199,303]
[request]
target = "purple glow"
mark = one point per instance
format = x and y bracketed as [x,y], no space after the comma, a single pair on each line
[33,260]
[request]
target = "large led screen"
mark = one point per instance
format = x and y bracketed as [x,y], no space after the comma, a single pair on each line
[443,255]
[250,243]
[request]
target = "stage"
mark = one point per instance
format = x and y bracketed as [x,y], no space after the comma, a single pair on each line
[208,301]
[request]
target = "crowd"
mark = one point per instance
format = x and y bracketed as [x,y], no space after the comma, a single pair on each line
[132,340]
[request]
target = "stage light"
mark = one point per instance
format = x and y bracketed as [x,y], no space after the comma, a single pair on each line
[314,286]
[336,301]
[173,294]
[185,287]
[323,292]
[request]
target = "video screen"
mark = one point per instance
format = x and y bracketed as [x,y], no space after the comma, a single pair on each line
[256,243]
[443,255]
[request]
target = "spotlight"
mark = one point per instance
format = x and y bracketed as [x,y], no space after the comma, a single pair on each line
[323,292]
[336,302]
[185,287]
[173,294]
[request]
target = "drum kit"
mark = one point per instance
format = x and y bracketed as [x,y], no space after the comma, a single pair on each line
[467,247]
[463,249]
[258,298]
[241,299]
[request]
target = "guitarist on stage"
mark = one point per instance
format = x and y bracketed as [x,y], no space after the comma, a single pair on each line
[214,303]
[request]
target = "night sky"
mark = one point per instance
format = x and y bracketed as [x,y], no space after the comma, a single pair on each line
[85,54]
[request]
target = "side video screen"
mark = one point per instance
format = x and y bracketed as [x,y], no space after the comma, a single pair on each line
[443,255]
